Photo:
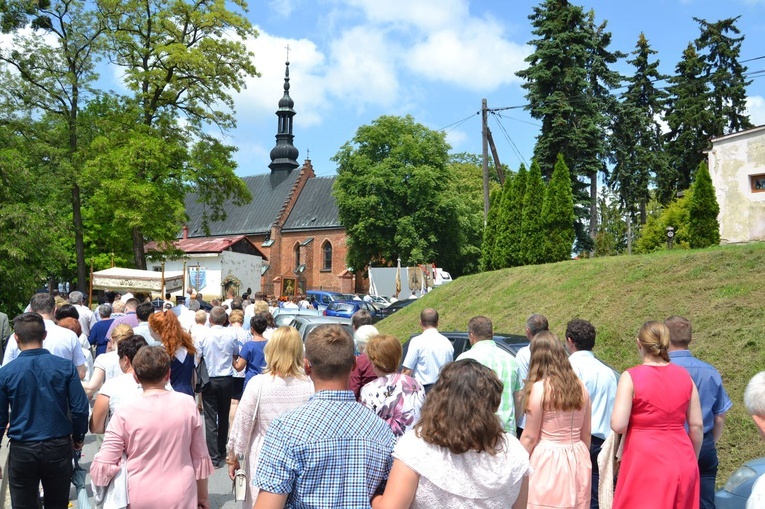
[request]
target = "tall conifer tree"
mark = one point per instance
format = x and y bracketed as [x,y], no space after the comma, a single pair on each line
[532,233]
[558,214]
[502,242]
[489,231]
[704,229]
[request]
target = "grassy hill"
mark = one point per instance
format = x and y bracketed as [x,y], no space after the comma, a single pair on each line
[718,289]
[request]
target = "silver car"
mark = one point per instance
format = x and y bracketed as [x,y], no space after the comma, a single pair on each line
[736,491]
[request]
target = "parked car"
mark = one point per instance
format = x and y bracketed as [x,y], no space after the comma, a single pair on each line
[395,306]
[324,297]
[510,343]
[347,308]
[736,491]
[381,300]
[305,324]
[285,316]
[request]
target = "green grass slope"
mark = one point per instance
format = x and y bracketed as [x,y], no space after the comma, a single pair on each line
[721,290]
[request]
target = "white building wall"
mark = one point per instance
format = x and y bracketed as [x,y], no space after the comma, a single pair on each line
[732,161]
[244,267]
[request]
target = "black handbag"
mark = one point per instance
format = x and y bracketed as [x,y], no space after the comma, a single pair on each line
[203,377]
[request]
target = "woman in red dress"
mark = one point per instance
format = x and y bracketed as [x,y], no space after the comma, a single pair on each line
[654,402]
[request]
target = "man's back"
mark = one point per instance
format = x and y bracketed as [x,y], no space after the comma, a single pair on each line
[712,396]
[60,342]
[330,453]
[218,346]
[427,354]
[601,382]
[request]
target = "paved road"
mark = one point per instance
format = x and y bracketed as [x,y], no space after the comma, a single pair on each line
[219,484]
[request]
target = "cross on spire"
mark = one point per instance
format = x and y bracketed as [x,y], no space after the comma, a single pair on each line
[287,47]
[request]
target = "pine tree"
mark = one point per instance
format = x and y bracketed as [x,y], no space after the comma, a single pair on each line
[532,233]
[489,232]
[501,255]
[558,214]
[704,229]
[725,74]
[636,134]
[565,79]
[515,219]
[690,122]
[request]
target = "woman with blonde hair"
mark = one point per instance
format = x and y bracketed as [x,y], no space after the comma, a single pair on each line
[458,454]
[282,387]
[107,365]
[166,328]
[654,403]
[557,432]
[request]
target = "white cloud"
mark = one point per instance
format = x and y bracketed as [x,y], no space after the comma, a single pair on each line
[282,8]
[755,106]
[456,138]
[424,15]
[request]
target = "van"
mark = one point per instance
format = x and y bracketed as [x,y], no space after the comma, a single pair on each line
[323,297]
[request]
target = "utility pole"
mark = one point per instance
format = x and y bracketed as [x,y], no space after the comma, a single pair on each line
[485,153]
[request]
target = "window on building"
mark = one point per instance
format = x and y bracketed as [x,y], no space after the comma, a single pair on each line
[326,256]
[757,182]
[297,255]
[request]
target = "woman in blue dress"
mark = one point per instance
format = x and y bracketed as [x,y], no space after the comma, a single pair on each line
[166,328]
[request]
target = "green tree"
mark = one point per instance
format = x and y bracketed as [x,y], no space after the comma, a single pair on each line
[503,242]
[394,197]
[466,189]
[489,241]
[54,78]
[653,234]
[515,217]
[704,229]
[567,83]
[690,122]
[180,58]
[720,51]
[558,214]
[637,135]
[532,232]
[31,249]
[611,238]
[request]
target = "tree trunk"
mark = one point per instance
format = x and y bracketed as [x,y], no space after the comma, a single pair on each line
[593,175]
[643,215]
[79,243]
[139,257]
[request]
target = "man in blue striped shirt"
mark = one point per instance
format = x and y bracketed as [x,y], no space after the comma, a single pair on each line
[332,452]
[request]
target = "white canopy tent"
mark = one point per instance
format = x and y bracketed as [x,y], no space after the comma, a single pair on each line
[122,280]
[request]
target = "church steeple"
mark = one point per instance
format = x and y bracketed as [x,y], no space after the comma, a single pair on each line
[284,155]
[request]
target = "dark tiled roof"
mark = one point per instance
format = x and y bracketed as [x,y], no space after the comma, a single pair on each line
[315,208]
[269,192]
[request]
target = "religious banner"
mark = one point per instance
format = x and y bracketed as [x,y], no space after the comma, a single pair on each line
[197,278]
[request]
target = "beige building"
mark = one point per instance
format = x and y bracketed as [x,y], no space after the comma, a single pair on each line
[737,168]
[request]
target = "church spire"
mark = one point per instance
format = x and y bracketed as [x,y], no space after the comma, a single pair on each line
[284,155]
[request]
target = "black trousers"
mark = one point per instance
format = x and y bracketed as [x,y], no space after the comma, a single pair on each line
[216,401]
[708,471]
[595,446]
[30,463]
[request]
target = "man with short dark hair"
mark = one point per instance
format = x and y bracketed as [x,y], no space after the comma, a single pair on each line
[331,452]
[59,341]
[484,350]
[49,416]
[600,382]
[143,312]
[218,347]
[428,352]
[712,396]
[361,317]
[535,324]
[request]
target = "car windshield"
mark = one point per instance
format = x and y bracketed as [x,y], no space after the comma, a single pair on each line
[341,307]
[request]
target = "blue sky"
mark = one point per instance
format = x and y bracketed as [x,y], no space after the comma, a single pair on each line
[354,60]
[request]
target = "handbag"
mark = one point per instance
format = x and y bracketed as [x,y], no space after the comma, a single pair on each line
[240,483]
[203,377]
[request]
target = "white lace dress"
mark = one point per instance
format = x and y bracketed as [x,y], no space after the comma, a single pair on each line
[278,396]
[472,480]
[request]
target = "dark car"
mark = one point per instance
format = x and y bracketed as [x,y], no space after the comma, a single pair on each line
[395,306]
[306,323]
[346,309]
[510,343]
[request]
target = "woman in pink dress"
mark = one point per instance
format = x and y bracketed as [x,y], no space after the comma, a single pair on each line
[654,402]
[161,435]
[557,432]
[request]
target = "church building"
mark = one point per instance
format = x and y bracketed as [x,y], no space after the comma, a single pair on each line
[292,219]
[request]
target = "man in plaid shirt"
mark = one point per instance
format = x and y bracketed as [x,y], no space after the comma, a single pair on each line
[332,452]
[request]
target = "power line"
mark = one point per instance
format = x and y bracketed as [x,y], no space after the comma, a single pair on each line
[509,139]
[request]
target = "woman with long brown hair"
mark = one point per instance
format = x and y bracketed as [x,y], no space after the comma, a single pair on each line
[458,455]
[557,432]
[654,402]
[179,346]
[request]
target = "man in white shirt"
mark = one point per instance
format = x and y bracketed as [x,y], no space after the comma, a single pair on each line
[428,352]
[535,324]
[218,347]
[600,381]
[87,318]
[754,401]
[59,341]
[143,312]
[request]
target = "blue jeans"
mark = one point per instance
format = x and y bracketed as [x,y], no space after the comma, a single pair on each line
[708,471]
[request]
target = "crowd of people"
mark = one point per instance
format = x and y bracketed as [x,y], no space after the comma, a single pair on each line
[342,420]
